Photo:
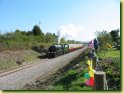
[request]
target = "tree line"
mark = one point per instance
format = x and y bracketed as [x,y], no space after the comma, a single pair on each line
[108,39]
[19,40]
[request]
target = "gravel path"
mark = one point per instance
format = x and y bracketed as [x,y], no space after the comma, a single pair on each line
[18,78]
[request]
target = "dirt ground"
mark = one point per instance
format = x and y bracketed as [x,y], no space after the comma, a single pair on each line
[12,59]
[41,70]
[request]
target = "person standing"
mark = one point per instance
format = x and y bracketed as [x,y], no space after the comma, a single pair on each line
[90,44]
[92,54]
[95,44]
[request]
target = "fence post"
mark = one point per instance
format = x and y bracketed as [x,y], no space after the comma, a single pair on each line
[99,80]
[94,60]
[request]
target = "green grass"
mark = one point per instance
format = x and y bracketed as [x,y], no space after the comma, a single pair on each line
[111,68]
[109,53]
[72,80]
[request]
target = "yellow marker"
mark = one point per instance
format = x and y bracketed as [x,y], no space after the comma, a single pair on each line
[91,73]
[89,62]
[108,45]
[89,68]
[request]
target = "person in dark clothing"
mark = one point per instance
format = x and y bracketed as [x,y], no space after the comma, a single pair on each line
[92,54]
[95,44]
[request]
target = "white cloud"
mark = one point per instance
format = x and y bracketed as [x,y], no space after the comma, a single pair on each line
[69,31]
[75,32]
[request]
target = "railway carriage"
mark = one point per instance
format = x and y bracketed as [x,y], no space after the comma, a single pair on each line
[60,49]
[73,47]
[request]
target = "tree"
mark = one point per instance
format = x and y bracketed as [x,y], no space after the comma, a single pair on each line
[55,38]
[20,36]
[29,33]
[17,34]
[62,40]
[17,31]
[115,36]
[70,41]
[36,30]
[50,38]
[9,35]
[24,32]
[54,34]
[104,38]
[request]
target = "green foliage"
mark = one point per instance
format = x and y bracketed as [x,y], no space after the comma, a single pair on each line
[49,37]
[20,40]
[111,39]
[36,30]
[111,66]
[70,41]
[113,74]
[72,72]
[73,79]
[62,41]
[29,33]
[115,35]
[110,58]
[109,53]
[104,38]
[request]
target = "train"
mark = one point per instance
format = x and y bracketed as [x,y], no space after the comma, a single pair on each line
[61,49]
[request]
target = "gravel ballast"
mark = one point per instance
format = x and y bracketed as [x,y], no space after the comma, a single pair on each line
[18,79]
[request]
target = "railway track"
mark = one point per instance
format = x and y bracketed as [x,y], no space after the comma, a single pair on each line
[17,78]
[7,72]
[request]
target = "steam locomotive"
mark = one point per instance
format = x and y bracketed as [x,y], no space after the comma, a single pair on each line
[61,49]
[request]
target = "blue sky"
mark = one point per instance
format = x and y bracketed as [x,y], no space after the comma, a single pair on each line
[89,15]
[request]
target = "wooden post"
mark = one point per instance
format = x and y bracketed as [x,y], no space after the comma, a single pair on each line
[94,60]
[99,80]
